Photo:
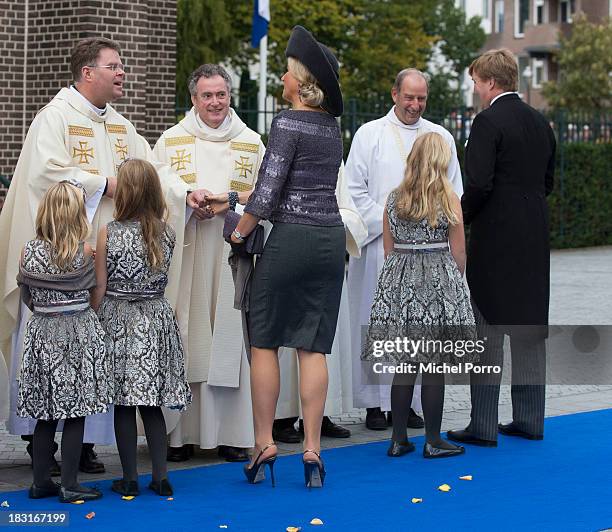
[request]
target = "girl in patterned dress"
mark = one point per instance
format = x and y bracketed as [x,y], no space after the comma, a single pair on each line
[421,294]
[133,255]
[65,371]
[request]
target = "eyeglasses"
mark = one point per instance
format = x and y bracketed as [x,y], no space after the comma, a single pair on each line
[113,67]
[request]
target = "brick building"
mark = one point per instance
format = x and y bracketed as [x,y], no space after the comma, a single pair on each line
[36,37]
[531,29]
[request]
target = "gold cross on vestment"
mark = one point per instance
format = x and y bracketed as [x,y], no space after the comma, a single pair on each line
[120,149]
[243,166]
[83,152]
[180,160]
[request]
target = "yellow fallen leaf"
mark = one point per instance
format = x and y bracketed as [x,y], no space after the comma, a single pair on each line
[444,487]
[170,499]
[127,497]
[5,504]
[466,477]
[90,515]
[316,521]
[416,500]
[293,529]
[78,502]
[222,526]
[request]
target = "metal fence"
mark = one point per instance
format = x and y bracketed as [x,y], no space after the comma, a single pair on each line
[569,127]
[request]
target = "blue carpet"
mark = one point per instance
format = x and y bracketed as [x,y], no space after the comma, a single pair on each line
[562,483]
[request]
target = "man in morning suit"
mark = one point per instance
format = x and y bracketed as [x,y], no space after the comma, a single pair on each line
[509,163]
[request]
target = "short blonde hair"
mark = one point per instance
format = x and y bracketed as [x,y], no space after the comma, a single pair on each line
[499,65]
[62,222]
[310,92]
[425,191]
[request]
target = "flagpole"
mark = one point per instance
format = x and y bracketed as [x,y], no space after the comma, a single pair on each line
[263,77]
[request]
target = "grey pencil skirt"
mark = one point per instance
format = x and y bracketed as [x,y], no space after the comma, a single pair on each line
[296,288]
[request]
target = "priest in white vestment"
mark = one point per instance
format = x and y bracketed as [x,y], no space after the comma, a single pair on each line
[79,136]
[212,148]
[375,166]
[339,363]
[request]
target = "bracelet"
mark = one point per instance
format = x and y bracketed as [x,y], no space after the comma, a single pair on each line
[232,198]
[237,235]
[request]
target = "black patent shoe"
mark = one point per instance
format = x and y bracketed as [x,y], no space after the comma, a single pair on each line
[233,454]
[50,490]
[375,419]
[179,454]
[314,471]
[429,451]
[89,462]
[161,487]
[79,493]
[400,448]
[257,471]
[331,430]
[127,488]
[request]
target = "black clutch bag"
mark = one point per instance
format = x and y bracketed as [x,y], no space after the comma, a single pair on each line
[253,244]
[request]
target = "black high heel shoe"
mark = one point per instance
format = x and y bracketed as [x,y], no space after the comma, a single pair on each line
[314,471]
[257,472]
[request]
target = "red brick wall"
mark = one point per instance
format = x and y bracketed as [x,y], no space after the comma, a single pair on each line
[36,37]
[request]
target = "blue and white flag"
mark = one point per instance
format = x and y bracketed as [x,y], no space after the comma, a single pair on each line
[261,19]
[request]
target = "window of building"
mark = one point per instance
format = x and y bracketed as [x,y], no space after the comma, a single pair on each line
[485,9]
[540,72]
[523,61]
[521,16]
[499,16]
[540,15]
[567,9]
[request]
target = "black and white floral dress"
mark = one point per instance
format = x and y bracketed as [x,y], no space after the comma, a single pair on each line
[420,295]
[65,371]
[142,333]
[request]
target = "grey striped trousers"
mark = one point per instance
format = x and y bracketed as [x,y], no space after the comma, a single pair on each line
[528,383]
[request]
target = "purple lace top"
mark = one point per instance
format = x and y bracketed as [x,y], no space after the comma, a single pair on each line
[298,174]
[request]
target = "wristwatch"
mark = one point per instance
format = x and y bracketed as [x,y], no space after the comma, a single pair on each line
[237,235]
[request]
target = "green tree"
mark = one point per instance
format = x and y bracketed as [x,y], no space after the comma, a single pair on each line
[585,64]
[373,39]
[204,35]
[458,41]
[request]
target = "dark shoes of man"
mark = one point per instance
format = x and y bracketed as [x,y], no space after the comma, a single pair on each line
[179,454]
[55,468]
[89,462]
[510,429]
[233,454]
[375,419]
[465,436]
[414,420]
[283,430]
[329,429]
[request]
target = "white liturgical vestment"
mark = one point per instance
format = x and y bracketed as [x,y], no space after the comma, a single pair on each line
[218,160]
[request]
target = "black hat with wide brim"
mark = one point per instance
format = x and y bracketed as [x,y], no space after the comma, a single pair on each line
[322,64]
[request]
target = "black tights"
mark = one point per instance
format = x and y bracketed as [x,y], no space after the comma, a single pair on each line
[432,397]
[42,450]
[126,436]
